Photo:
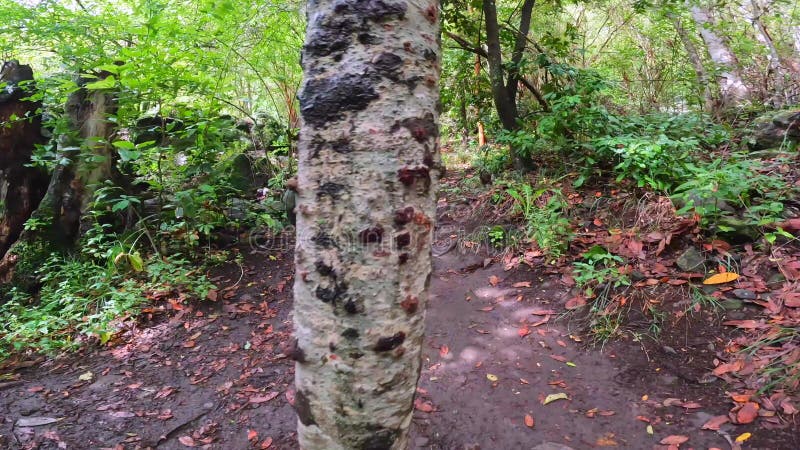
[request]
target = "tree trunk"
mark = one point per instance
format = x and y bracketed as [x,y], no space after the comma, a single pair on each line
[780,68]
[733,91]
[368,171]
[86,160]
[703,80]
[21,186]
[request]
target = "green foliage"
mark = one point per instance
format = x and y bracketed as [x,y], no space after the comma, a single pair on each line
[81,298]
[543,211]
[599,268]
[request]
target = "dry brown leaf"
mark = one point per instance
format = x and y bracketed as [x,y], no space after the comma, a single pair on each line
[675,439]
[522,284]
[715,422]
[493,280]
[187,441]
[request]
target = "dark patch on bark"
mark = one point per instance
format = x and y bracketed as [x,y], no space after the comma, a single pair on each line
[350,307]
[403,240]
[409,175]
[323,269]
[369,39]
[356,355]
[410,304]
[429,55]
[295,353]
[380,439]
[388,343]
[332,347]
[403,258]
[330,189]
[372,235]
[404,215]
[324,240]
[303,409]
[388,64]
[326,100]
[331,294]
[421,128]
[342,146]
[332,36]
[375,10]
[350,333]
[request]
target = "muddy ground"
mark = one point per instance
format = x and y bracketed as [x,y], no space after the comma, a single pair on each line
[214,374]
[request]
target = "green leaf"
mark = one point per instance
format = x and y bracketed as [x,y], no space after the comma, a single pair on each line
[127,145]
[108,83]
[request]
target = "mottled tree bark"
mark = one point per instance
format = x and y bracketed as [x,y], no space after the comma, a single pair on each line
[733,90]
[368,171]
[21,186]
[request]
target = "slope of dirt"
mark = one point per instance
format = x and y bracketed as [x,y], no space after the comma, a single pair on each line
[501,370]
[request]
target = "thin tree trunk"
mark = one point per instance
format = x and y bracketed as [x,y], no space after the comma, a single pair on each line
[733,91]
[368,172]
[703,80]
[780,68]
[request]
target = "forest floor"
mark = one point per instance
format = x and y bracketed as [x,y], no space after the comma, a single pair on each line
[504,367]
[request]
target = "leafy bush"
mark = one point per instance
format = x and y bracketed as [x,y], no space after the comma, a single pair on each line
[543,211]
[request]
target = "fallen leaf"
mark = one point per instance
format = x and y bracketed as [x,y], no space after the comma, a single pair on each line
[252,435]
[423,406]
[122,414]
[491,377]
[720,278]
[747,413]
[187,441]
[553,397]
[35,421]
[266,444]
[529,421]
[559,358]
[86,376]
[263,398]
[444,350]
[743,437]
[575,302]
[522,284]
[675,439]
[524,331]
[715,422]
[35,389]
[650,430]
[606,440]
[493,280]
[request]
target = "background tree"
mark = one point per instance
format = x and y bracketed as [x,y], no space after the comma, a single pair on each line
[368,170]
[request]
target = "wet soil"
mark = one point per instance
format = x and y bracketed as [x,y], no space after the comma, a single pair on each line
[214,375]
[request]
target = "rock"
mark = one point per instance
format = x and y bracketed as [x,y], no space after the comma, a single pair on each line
[732,304]
[736,230]
[238,208]
[744,294]
[776,130]
[551,446]
[690,260]
[241,174]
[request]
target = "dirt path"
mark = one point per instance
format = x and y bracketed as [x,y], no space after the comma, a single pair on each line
[216,376]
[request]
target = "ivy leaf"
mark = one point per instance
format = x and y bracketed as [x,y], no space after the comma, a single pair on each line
[107,83]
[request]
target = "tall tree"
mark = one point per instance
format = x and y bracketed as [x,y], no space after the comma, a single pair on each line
[732,88]
[368,172]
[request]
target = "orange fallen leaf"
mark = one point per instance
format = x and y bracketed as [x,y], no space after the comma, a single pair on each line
[263,398]
[187,441]
[522,284]
[675,439]
[493,280]
[266,444]
[529,421]
[747,413]
[252,435]
[444,350]
[720,278]
[575,302]
[524,331]
[715,422]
